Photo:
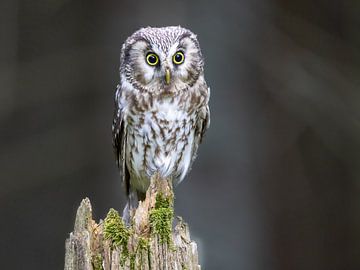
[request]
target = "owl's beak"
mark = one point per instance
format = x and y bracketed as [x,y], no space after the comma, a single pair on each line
[167,76]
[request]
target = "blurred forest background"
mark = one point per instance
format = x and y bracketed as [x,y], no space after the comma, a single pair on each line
[276,184]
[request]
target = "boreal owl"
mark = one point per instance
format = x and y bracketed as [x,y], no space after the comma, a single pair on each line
[161,107]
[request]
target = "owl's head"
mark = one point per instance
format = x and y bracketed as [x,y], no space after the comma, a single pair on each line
[161,59]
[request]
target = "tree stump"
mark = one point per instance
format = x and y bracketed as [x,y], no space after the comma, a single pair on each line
[150,242]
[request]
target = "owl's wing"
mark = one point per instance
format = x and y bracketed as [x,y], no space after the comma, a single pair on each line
[202,124]
[119,140]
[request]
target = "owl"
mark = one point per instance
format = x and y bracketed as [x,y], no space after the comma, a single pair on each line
[161,107]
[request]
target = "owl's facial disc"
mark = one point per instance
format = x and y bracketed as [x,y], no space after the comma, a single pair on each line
[170,67]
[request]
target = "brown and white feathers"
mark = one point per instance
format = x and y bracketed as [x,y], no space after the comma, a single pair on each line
[161,106]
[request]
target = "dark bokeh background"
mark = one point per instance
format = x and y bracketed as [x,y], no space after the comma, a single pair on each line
[276,184]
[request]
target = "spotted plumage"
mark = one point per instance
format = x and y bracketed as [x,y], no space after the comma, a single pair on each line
[161,107]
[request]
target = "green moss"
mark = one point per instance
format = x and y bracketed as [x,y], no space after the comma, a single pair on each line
[143,244]
[132,261]
[116,231]
[97,261]
[162,201]
[161,218]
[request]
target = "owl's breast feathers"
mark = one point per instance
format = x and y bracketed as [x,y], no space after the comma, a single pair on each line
[159,134]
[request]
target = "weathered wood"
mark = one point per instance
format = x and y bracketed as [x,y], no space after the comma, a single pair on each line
[150,242]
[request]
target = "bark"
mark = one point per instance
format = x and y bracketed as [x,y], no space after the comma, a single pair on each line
[150,242]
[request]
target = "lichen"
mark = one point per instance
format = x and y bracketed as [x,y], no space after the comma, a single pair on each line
[161,218]
[116,231]
[97,261]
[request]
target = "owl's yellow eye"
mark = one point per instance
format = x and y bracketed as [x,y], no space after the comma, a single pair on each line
[178,58]
[152,59]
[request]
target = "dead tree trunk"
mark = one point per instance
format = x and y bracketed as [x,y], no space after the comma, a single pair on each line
[149,243]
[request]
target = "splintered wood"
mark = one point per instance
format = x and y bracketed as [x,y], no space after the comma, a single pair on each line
[150,242]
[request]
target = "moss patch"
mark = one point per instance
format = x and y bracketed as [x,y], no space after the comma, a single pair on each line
[143,244]
[116,231]
[161,218]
